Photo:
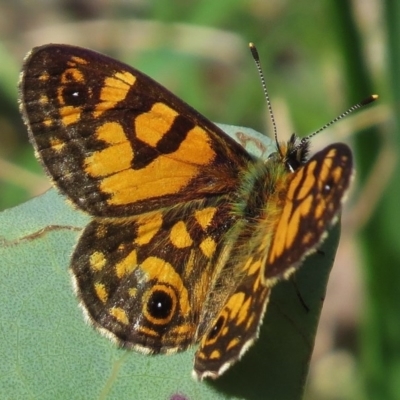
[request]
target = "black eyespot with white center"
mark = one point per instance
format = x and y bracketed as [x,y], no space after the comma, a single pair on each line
[159,304]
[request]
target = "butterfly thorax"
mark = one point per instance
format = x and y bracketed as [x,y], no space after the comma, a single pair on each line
[256,208]
[254,211]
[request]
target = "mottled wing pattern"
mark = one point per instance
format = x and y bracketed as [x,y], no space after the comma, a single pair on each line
[236,326]
[315,193]
[143,281]
[115,141]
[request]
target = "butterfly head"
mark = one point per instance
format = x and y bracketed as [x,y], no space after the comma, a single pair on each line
[293,153]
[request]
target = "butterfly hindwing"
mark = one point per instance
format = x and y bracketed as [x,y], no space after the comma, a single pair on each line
[235,327]
[144,281]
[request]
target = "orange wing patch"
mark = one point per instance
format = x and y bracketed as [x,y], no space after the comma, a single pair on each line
[312,200]
[113,146]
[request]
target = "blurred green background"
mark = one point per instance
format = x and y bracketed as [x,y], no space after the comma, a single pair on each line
[319,58]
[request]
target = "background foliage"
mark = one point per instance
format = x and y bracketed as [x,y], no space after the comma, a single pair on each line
[319,58]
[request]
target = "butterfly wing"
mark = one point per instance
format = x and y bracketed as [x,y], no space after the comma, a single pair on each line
[115,141]
[143,282]
[236,326]
[311,202]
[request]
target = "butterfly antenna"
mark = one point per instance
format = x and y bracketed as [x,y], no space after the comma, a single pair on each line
[256,59]
[362,103]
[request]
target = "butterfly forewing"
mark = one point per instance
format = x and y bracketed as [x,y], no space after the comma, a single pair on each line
[115,141]
[312,200]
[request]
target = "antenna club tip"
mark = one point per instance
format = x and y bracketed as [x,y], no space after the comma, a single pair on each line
[369,99]
[254,51]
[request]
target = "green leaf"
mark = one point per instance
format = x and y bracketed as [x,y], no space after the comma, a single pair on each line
[48,351]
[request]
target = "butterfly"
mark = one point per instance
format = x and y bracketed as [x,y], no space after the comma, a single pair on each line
[189,232]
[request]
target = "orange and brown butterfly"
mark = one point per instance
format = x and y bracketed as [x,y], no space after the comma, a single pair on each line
[189,231]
